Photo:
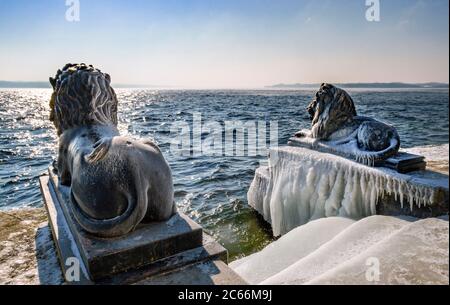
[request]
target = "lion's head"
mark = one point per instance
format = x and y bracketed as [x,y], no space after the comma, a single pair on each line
[82,96]
[330,109]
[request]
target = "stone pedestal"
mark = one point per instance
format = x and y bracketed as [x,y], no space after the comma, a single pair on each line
[402,162]
[301,185]
[150,250]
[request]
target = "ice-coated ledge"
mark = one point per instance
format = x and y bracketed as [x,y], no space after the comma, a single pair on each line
[301,185]
[338,250]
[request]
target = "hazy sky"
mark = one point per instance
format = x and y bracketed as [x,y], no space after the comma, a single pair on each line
[227,43]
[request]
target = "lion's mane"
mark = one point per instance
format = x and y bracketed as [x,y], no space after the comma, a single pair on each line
[330,110]
[82,96]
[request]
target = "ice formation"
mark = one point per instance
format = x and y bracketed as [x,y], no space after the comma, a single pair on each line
[301,185]
[347,147]
[355,239]
[416,254]
[289,249]
[409,251]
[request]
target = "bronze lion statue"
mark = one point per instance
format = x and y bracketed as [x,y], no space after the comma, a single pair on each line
[337,127]
[116,182]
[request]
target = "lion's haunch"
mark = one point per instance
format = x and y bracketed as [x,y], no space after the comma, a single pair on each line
[375,136]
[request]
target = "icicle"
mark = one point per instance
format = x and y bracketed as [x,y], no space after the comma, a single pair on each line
[304,185]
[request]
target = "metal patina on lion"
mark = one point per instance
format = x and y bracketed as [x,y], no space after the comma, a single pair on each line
[116,182]
[337,127]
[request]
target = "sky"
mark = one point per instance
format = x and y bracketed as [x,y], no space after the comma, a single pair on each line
[228,43]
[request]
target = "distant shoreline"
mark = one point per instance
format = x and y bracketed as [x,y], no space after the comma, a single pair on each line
[46,85]
[396,85]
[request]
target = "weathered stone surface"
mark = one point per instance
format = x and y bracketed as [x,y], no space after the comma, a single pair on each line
[436,156]
[27,252]
[28,255]
[65,243]
[213,272]
[391,206]
[148,243]
[210,250]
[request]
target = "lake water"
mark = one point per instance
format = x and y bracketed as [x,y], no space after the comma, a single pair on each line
[210,189]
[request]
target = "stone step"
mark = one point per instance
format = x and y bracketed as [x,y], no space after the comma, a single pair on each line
[211,272]
[146,244]
[210,250]
[207,253]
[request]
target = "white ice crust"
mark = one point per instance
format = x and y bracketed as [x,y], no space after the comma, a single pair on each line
[301,185]
[332,251]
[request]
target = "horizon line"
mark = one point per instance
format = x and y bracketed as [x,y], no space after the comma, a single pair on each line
[356,85]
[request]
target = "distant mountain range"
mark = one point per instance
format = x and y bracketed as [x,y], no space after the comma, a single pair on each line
[397,85]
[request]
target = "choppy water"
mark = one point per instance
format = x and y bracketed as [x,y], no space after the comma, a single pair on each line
[211,190]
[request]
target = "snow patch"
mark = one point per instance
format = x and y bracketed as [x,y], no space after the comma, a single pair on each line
[431,152]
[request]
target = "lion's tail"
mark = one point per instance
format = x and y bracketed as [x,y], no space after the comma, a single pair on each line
[114,227]
[119,225]
[348,148]
[371,158]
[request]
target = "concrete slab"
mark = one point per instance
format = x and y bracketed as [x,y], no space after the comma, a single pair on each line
[147,244]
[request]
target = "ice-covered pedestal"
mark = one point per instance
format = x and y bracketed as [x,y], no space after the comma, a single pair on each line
[300,185]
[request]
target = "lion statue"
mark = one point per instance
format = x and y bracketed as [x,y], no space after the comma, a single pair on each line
[115,182]
[337,128]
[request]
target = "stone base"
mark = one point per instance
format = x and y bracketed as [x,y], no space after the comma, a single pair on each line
[150,250]
[402,162]
[146,244]
[300,185]
[211,272]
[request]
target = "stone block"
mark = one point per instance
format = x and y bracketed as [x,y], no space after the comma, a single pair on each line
[402,162]
[147,244]
[211,272]
[204,264]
